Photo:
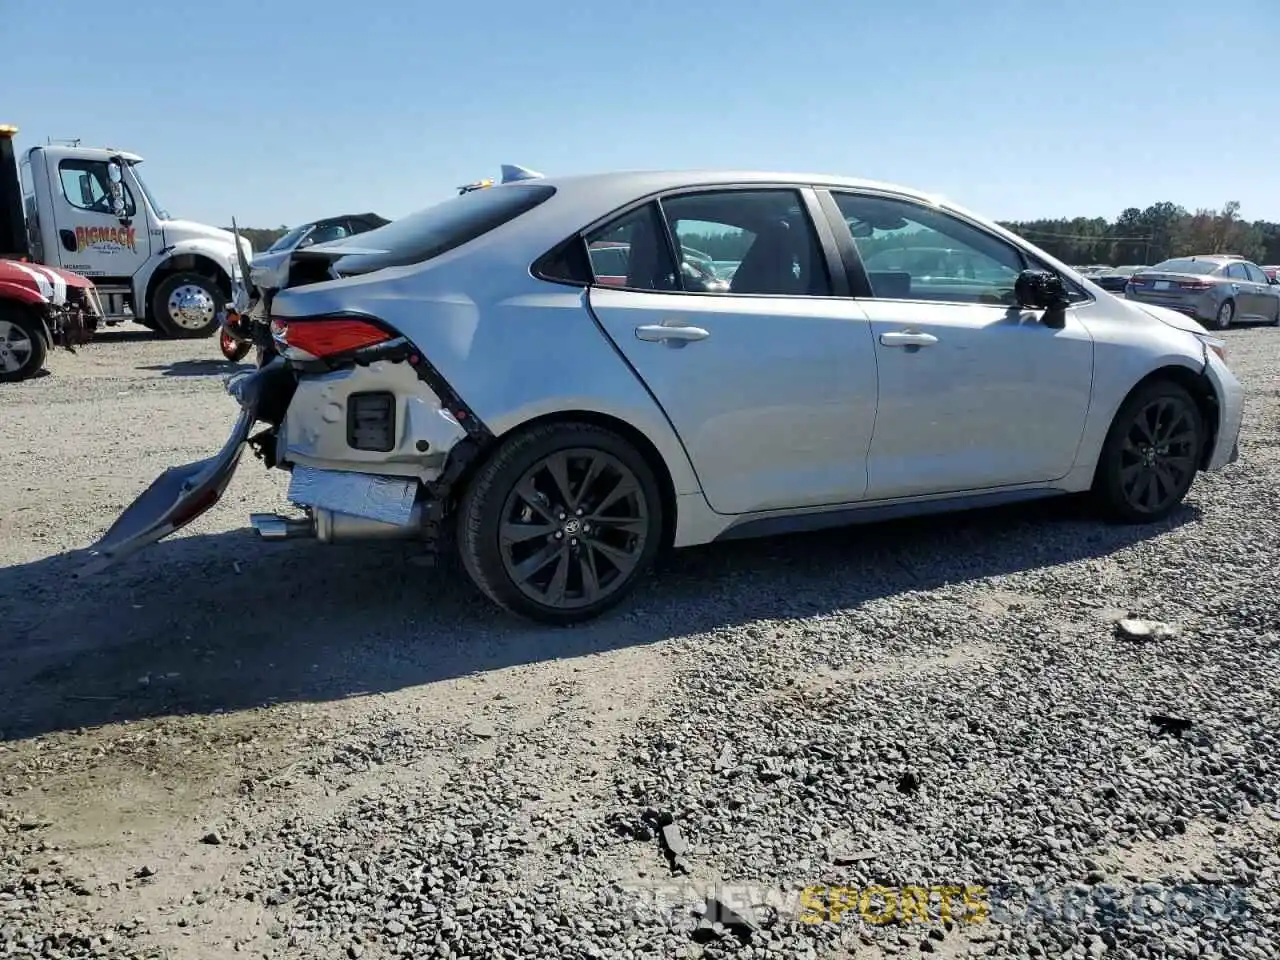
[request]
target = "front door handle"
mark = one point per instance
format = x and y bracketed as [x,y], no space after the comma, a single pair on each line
[908,338]
[659,332]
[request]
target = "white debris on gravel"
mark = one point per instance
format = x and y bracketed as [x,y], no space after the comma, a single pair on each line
[1076,721]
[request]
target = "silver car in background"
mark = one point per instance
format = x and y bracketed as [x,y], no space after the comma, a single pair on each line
[1216,290]
[466,376]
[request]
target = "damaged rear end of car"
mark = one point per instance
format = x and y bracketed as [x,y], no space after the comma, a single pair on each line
[374,438]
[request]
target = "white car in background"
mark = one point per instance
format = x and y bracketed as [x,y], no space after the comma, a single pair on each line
[465,375]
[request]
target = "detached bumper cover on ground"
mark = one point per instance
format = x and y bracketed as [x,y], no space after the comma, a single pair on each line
[181,494]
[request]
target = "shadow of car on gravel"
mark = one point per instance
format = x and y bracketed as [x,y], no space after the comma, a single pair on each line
[211,367]
[133,333]
[223,622]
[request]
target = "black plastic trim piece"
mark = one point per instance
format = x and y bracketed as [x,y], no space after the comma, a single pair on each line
[874,513]
[574,248]
[828,242]
[855,273]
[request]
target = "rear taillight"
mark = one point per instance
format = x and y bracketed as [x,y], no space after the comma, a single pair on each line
[1194,284]
[319,338]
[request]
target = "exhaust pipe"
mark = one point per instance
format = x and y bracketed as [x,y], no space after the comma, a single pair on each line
[330,526]
[270,526]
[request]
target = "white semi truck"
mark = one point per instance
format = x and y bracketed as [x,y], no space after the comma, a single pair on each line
[89,211]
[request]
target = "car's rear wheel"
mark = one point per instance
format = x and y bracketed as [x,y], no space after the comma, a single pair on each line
[1151,454]
[561,523]
[1225,315]
[23,350]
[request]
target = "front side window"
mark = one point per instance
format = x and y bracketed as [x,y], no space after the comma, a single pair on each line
[1255,275]
[325,233]
[86,186]
[914,252]
[763,236]
[290,239]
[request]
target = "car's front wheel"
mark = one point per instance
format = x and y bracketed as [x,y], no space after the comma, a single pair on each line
[1151,454]
[560,524]
[22,344]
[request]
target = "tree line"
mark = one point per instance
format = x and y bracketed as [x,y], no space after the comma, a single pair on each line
[1161,231]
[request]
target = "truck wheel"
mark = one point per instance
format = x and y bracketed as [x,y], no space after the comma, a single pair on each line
[561,523]
[22,347]
[186,306]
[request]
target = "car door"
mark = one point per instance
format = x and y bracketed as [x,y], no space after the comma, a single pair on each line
[769,379]
[1242,290]
[975,393]
[1266,302]
[92,240]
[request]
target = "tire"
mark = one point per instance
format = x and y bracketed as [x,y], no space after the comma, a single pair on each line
[1225,315]
[1275,321]
[186,306]
[578,542]
[23,349]
[1166,411]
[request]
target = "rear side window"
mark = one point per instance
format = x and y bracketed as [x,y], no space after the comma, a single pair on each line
[429,233]
[633,252]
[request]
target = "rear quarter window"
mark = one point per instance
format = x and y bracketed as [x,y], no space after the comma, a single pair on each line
[421,236]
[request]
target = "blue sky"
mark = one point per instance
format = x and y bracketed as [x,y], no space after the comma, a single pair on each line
[278,111]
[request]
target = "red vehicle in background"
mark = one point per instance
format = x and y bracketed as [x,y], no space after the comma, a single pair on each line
[40,307]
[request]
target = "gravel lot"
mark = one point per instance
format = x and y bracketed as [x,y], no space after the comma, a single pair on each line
[294,750]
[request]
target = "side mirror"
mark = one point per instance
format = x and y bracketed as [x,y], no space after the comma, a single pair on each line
[1041,290]
[115,174]
[1274,281]
[86,190]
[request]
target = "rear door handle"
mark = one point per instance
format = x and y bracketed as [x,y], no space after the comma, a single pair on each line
[658,332]
[908,338]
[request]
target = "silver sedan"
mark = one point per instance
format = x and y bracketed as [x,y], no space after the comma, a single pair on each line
[464,376]
[1215,290]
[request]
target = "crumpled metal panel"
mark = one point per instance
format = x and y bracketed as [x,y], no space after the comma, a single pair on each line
[388,499]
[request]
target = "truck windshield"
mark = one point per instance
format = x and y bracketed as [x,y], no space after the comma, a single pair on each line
[152,202]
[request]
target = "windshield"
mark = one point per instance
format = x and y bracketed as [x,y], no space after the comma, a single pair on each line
[289,239]
[152,202]
[1187,266]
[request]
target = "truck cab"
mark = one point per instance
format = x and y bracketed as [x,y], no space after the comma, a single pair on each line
[89,211]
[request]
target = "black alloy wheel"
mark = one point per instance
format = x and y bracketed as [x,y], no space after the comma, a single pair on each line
[561,523]
[1152,453]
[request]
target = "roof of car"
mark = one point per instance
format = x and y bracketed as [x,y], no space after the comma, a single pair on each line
[645,181]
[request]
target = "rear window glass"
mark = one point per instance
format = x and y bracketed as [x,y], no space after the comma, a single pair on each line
[1187,266]
[439,229]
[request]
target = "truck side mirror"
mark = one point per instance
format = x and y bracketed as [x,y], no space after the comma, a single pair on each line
[86,190]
